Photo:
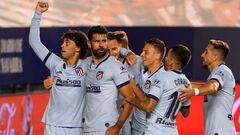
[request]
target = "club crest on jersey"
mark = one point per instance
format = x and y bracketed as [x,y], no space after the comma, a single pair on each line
[79,71]
[147,84]
[99,75]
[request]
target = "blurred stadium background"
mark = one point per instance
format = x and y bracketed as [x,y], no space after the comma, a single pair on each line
[190,22]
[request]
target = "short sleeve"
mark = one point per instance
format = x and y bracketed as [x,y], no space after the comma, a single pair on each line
[120,75]
[156,90]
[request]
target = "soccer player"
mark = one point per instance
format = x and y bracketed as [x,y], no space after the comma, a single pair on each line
[153,53]
[219,90]
[117,40]
[105,78]
[63,115]
[153,47]
[161,102]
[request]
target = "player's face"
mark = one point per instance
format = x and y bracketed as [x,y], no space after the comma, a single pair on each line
[149,55]
[114,48]
[99,45]
[208,56]
[69,49]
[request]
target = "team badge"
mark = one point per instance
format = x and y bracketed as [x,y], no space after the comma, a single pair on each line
[147,84]
[99,75]
[79,71]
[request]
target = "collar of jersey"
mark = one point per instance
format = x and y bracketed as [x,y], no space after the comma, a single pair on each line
[177,71]
[99,62]
[64,64]
[161,66]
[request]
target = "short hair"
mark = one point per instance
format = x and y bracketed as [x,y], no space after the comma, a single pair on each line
[80,40]
[99,29]
[220,46]
[182,54]
[119,37]
[113,36]
[158,44]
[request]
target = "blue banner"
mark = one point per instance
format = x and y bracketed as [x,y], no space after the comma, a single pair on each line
[19,64]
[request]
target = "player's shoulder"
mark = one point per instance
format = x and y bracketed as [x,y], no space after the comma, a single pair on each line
[222,70]
[113,62]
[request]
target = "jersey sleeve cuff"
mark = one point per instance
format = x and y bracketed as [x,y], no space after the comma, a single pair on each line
[153,97]
[123,84]
[220,85]
[185,107]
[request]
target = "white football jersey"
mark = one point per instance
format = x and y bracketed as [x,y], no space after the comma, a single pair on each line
[103,81]
[165,88]
[139,117]
[218,107]
[66,101]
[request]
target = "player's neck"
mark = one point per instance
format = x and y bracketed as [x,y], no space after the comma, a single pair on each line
[153,67]
[97,60]
[72,61]
[214,65]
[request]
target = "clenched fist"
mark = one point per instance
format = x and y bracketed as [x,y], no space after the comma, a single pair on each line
[42,6]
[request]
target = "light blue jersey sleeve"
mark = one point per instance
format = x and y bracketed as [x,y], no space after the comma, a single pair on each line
[36,44]
[120,75]
[219,76]
[124,52]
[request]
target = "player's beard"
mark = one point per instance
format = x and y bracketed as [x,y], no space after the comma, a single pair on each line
[204,65]
[100,53]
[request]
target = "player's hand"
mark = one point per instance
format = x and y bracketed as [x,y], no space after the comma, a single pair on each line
[114,130]
[131,58]
[48,83]
[186,94]
[42,6]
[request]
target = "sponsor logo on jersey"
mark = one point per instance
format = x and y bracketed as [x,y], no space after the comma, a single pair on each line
[124,70]
[59,72]
[220,73]
[147,84]
[93,89]
[163,122]
[68,83]
[157,83]
[99,75]
[79,71]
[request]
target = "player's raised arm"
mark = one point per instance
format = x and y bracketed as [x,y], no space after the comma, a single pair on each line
[34,34]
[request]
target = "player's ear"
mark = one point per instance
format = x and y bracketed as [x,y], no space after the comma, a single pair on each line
[89,44]
[78,49]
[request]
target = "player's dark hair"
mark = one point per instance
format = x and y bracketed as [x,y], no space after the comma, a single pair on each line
[182,54]
[158,45]
[99,29]
[80,40]
[220,46]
